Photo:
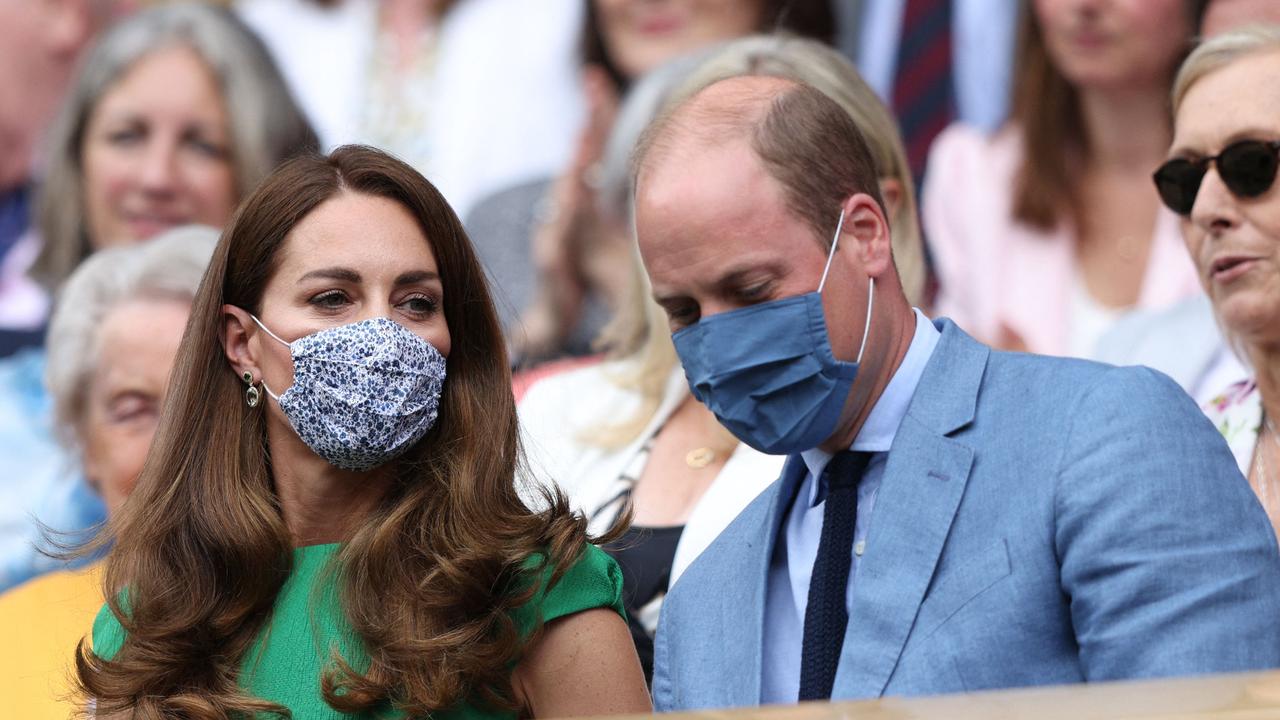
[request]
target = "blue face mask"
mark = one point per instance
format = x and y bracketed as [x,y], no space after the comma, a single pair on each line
[768,372]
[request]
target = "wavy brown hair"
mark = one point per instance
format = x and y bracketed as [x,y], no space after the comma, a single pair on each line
[201,548]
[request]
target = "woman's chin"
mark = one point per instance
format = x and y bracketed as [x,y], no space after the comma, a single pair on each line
[1251,316]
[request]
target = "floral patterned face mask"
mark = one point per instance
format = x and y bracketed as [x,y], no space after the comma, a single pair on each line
[362,393]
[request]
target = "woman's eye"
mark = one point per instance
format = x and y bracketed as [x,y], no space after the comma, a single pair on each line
[420,304]
[330,300]
[208,148]
[125,136]
[130,407]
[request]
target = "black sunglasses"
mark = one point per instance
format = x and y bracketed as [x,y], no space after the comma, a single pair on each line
[1247,168]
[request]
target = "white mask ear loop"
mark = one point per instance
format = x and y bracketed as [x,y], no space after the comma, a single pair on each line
[866,328]
[282,342]
[871,286]
[830,255]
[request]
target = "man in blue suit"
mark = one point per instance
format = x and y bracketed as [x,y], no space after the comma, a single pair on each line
[951,518]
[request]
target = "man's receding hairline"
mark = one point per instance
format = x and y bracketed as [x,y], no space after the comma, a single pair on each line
[733,115]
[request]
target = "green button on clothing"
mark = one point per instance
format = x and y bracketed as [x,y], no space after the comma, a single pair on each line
[292,652]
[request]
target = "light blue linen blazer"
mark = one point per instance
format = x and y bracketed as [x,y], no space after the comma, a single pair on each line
[1040,521]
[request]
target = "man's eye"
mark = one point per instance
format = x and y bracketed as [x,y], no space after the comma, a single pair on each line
[682,316]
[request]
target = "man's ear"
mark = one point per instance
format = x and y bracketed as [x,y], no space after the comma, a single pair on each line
[238,329]
[867,232]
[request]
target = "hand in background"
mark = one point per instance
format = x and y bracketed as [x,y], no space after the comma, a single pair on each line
[564,243]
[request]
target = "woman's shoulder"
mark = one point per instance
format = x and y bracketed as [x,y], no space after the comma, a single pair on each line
[592,580]
[964,147]
[108,633]
[590,385]
[969,182]
[557,407]
[1236,412]
[52,601]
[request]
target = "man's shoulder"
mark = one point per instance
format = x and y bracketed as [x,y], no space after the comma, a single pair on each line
[1030,379]
[1012,392]
[963,365]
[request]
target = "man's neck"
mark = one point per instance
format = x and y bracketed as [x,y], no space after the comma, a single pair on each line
[874,374]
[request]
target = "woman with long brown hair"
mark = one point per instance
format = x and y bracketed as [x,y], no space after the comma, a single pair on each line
[1044,233]
[328,523]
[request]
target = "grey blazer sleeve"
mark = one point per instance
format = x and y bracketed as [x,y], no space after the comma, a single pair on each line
[1168,561]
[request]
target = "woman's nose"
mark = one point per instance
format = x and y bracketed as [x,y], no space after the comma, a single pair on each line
[1215,206]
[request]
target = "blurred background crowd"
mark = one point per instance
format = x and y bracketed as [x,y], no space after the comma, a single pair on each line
[1015,141]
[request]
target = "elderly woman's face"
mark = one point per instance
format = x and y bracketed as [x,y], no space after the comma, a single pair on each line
[1234,241]
[1115,44]
[640,35]
[138,342]
[353,258]
[157,152]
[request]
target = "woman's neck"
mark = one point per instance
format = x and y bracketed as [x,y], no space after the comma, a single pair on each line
[1265,361]
[407,22]
[1125,129]
[320,503]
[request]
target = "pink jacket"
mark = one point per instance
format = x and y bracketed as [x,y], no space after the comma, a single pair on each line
[994,271]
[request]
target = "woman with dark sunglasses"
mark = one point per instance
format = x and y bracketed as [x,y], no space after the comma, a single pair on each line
[1220,179]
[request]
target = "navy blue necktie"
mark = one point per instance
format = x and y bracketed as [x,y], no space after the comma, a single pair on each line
[825,615]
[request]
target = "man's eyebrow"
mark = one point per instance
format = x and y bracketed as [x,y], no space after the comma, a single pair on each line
[665,300]
[734,278]
[737,277]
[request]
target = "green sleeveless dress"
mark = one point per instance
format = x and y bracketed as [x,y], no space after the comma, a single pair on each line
[291,653]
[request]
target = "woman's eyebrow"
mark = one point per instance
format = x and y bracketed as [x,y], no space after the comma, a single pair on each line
[334,273]
[416,276]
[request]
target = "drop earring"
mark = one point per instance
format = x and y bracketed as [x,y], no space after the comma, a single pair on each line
[251,394]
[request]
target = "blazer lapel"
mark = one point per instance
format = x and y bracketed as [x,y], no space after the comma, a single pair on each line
[924,480]
[742,617]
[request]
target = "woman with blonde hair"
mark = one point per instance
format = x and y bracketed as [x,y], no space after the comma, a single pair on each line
[626,436]
[1220,180]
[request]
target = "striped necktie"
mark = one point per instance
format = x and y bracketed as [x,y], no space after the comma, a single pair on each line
[923,93]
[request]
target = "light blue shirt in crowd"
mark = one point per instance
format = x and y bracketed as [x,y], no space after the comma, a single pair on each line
[793,557]
[39,480]
[983,34]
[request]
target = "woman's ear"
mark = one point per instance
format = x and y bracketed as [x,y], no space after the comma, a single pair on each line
[891,194]
[237,330]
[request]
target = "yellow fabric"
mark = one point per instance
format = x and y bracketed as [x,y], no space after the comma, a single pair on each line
[40,623]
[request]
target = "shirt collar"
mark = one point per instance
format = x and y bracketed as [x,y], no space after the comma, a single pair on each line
[881,426]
